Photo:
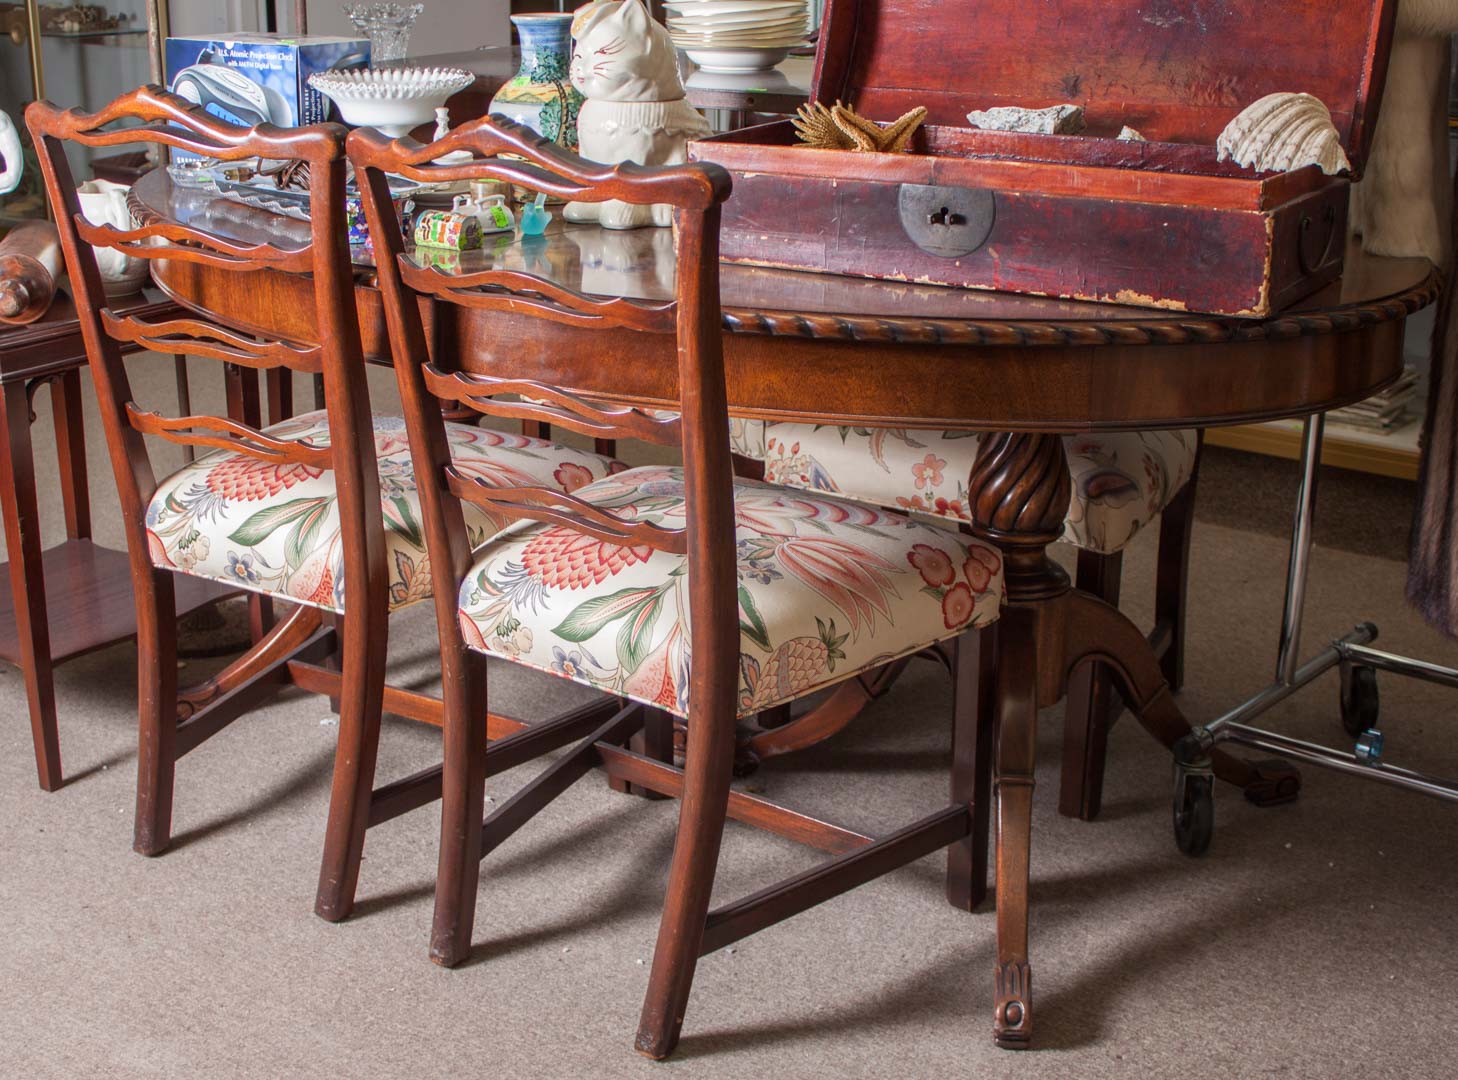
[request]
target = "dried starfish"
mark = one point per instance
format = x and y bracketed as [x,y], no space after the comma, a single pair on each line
[871,137]
[816,128]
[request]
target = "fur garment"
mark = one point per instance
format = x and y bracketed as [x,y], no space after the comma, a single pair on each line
[1404,206]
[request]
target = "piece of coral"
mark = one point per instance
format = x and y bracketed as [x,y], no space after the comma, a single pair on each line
[1055,120]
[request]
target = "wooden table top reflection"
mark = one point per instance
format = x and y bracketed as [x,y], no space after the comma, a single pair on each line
[837,349]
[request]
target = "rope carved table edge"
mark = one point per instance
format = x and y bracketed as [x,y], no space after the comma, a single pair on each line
[1191,331]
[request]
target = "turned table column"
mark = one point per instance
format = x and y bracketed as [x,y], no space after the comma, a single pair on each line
[1020,489]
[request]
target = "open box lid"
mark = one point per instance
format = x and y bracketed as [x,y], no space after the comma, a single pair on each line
[1175,70]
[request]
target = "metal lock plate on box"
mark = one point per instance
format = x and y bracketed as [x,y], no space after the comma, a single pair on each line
[947,221]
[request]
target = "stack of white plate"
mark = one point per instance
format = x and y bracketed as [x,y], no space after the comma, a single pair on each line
[737,35]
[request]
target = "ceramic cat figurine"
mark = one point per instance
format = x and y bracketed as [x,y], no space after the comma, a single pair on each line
[624,64]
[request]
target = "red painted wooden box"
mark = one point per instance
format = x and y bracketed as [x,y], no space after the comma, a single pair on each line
[1160,223]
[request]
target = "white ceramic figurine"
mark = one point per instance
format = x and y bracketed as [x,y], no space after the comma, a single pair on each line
[623,62]
[11,161]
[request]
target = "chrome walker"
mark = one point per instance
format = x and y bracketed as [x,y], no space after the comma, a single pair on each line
[1359,664]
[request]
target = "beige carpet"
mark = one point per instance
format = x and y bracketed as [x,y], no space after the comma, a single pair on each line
[1316,940]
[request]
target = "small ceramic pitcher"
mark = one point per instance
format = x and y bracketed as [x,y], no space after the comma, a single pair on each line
[490,210]
[105,203]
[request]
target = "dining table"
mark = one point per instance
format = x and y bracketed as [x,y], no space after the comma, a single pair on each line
[839,350]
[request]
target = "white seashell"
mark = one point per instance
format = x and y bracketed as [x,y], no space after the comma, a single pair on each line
[1282,132]
[1128,134]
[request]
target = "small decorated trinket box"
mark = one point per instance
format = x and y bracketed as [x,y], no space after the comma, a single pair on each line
[358,228]
[448,229]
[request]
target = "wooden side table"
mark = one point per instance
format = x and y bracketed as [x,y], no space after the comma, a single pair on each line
[76,596]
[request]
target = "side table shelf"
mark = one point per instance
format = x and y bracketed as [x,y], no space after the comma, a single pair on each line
[76,596]
[88,591]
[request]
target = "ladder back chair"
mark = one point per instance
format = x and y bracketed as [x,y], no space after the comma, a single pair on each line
[682,590]
[318,512]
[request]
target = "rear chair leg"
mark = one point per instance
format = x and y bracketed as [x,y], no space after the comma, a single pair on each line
[1092,704]
[463,807]
[1171,585]
[708,768]
[655,741]
[156,712]
[974,704]
[361,688]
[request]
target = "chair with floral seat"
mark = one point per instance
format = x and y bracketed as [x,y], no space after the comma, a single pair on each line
[680,589]
[1122,481]
[320,511]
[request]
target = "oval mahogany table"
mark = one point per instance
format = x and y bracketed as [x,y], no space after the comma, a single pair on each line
[839,350]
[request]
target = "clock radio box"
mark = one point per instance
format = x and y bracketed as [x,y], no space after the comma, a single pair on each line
[251,79]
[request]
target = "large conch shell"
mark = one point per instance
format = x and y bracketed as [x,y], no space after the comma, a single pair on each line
[1281,132]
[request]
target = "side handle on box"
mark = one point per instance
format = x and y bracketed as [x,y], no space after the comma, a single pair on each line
[949,222]
[1318,238]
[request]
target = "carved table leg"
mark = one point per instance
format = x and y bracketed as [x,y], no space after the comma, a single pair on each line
[1020,490]
[1096,630]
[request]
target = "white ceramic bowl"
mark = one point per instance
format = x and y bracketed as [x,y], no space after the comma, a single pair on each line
[736,61]
[395,100]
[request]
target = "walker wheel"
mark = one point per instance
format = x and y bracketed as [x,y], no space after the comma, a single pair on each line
[1194,815]
[1360,704]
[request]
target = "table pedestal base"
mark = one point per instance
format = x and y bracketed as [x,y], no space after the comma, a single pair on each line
[1022,488]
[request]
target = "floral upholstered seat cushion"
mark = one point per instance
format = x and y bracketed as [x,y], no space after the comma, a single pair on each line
[274,528]
[827,588]
[1121,480]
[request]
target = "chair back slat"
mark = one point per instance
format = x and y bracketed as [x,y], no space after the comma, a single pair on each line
[521,293]
[198,338]
[192,245]
[557,508]
[547,404]
[244,440]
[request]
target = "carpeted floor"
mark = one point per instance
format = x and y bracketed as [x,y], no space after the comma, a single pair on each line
[1315,940]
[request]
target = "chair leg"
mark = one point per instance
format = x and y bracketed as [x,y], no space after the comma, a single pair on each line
[156,712]
[654,740]
[1171,583]
[1016,739]
[1092,704]
[361,698]
[747,468]
[708,769]
[974,705]
[462,808]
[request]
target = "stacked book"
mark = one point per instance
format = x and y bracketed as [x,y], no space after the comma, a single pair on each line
[1385,411]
